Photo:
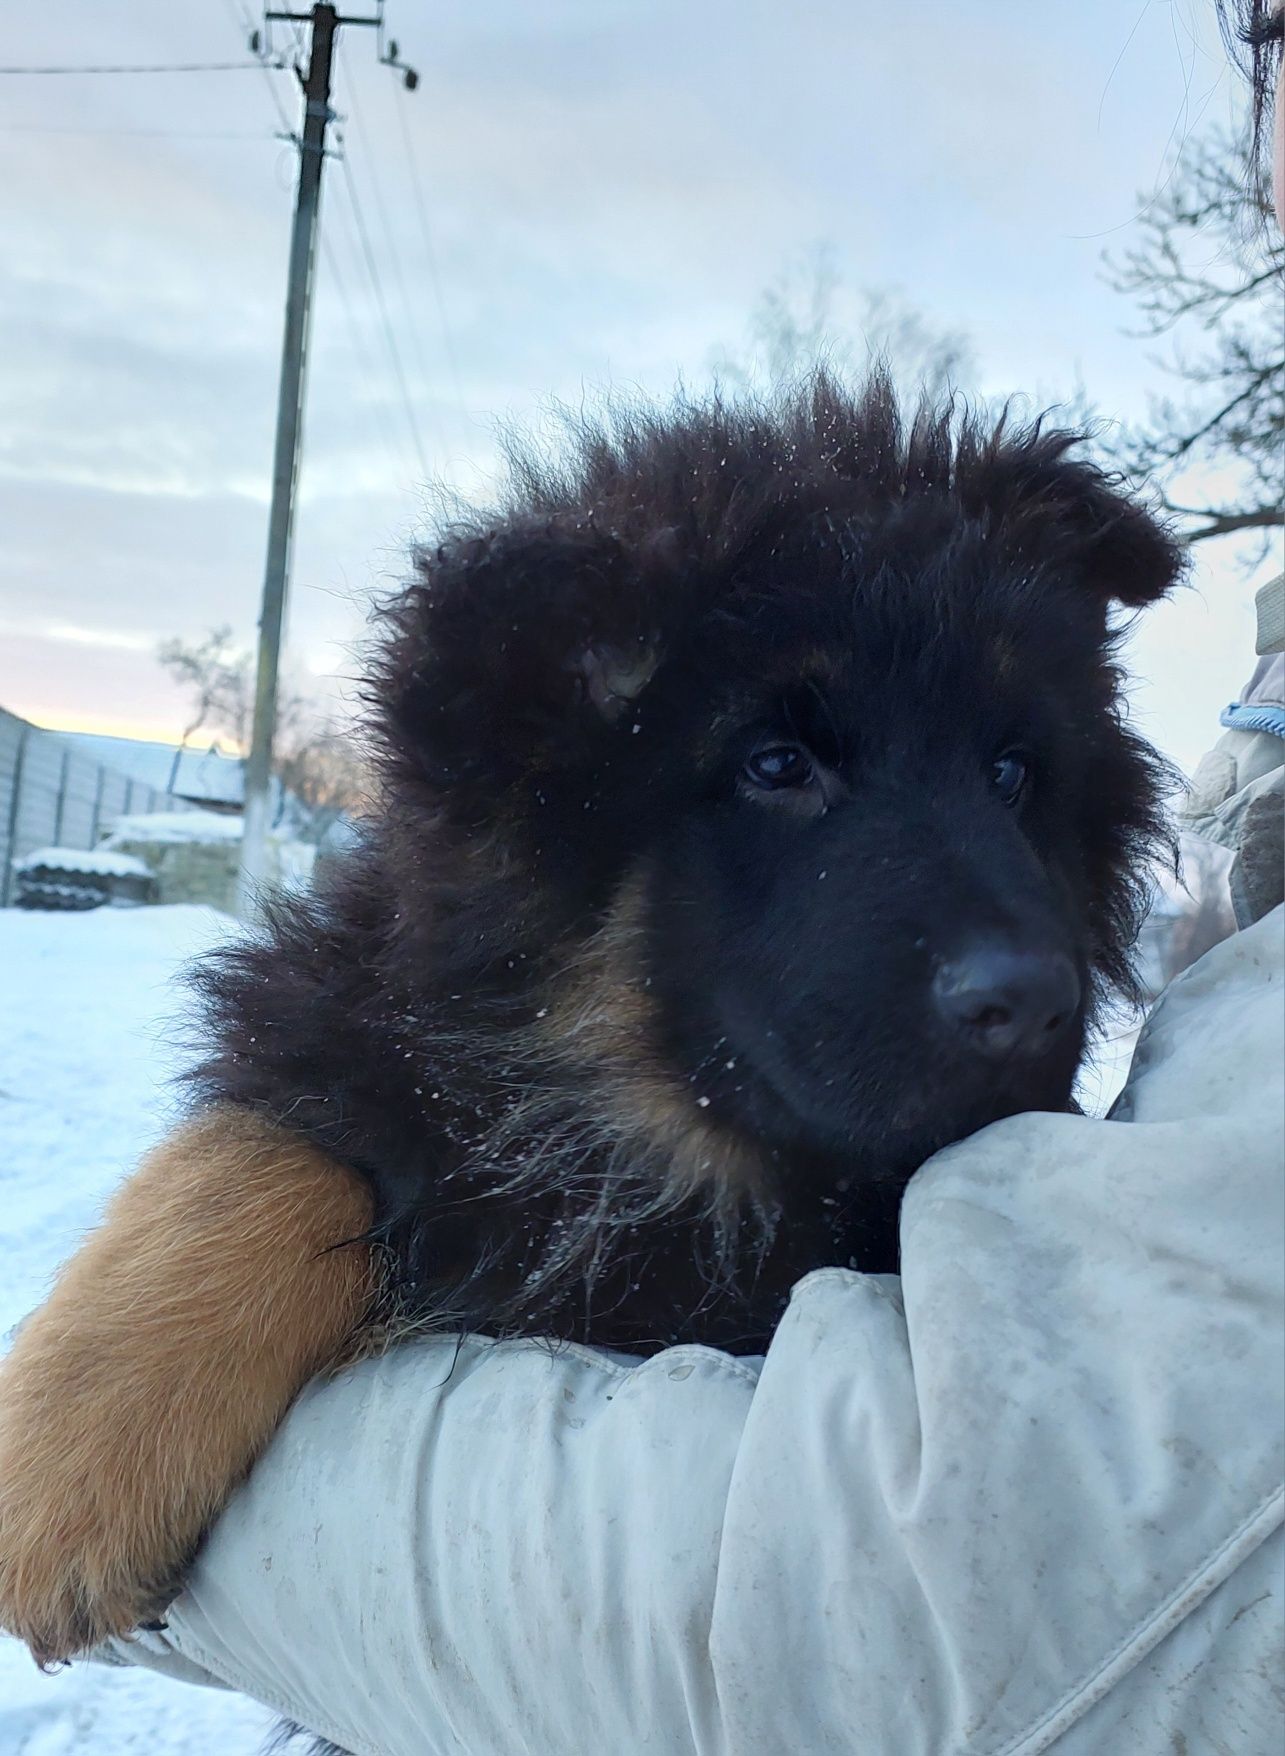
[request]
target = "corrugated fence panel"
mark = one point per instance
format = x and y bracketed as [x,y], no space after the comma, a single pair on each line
[76,829]
[12,732]
[53,796]
[115,790]
[36,822]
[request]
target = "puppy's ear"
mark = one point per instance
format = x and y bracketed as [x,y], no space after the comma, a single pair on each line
[1126,554]
[1062,510]
[515,653]
[612,679]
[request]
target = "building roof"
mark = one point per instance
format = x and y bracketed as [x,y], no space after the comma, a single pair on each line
[206,776]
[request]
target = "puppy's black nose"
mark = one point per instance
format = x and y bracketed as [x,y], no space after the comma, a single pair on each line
[1003,1002]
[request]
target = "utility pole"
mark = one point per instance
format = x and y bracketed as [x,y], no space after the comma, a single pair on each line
[325,22]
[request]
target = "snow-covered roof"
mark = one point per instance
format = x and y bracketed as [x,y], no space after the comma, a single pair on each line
[102,862]
[191,773]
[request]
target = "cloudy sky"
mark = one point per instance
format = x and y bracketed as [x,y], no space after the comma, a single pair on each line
[581,193]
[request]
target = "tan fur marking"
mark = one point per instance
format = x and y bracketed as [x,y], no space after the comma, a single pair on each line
[606,1020]
[141,1392]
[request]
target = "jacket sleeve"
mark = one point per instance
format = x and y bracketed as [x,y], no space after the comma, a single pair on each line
[1016,1499]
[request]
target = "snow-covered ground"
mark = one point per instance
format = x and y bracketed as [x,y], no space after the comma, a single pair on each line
[85,1005]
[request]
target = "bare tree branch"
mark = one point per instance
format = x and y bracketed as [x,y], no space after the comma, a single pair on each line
[1260,377]
[1206,265]
[319,767]
[1226,524]
[808,315]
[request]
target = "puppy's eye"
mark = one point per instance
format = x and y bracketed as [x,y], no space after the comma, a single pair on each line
[773,766]
[1009,776]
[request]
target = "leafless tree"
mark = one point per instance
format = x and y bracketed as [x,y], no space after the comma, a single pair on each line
[319,766]
[216,676]
[1207,270]
[323,773]
[808,315]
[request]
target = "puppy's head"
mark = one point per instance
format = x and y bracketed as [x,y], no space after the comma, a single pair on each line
[786,743]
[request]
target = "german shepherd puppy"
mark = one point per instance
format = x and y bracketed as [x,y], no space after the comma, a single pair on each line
[758,816]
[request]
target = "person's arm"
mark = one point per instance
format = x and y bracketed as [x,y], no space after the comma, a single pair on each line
[1023,1495]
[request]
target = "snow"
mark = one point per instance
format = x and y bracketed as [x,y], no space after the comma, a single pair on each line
[100,861]
[87,1003]
[177,826]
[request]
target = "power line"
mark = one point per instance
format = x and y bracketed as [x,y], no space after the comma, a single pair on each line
[241,17]
[363,358]
[430,253]
[366,363]
[175,67]
[378,289]
[390,430]
[276,102]
[372,159]
[140,133]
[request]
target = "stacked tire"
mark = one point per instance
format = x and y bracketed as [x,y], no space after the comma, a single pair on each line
[65,892]
[73,880]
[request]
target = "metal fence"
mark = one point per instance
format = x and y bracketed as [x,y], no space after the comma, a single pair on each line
[53,796]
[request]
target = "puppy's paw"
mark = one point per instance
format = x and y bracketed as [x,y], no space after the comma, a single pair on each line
[83,1555]
[139,1395]
[60,1605]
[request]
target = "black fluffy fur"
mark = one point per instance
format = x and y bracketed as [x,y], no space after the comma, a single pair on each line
[623,1045]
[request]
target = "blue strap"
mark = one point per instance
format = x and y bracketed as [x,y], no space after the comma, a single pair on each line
[1260,718]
